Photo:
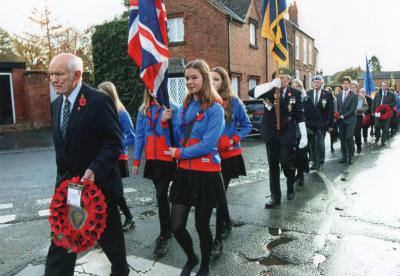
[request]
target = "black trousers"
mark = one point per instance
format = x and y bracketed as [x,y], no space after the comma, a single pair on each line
[382,125]
[284,156]
[357,131]
[346,133]
[61,263]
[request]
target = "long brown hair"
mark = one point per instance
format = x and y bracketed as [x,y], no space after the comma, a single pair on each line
[207,95]
[225,91]
[147,98]
[109,88]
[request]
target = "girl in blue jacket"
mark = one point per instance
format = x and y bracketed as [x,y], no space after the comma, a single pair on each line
[128,138]
[153,135]
[198,126]
[237,126]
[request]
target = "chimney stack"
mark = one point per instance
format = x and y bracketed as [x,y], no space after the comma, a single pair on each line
[293,13]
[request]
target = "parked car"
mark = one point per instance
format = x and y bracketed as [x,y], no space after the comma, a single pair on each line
[255,111]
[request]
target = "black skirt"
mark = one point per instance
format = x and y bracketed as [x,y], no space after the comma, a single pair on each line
[196,188]
[124,168]
[233,167]
[158,170]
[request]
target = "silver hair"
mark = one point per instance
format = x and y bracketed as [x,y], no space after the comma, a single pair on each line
[75,64]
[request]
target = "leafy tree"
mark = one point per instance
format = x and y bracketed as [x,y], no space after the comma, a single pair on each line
[37,49]
[375,64]
[6,48]
[351,72]
[112,63]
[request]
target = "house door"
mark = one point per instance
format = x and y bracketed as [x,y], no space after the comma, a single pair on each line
[7,112]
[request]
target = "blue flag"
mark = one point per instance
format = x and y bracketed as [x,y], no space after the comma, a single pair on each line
[369,85]
[273,28]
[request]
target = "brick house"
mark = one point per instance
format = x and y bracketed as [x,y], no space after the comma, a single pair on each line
[24,98]
[227,33]
[378,77]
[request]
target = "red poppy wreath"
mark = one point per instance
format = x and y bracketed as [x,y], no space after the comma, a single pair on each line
[385,112]
[77,229]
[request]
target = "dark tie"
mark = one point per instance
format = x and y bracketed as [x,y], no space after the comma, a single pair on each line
[316,98]
[383,96]
[66,113]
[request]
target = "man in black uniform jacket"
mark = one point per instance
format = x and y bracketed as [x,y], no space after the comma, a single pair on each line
[87,141]
[281,143]
[323,101]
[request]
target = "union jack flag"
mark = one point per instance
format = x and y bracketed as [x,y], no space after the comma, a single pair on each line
[148,45]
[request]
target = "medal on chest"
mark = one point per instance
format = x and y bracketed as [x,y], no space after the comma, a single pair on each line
[292,101]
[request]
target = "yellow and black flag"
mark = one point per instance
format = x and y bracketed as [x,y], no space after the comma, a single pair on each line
[274,29]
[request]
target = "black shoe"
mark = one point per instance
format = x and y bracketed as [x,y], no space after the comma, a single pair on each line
[319,167]
[313,167]
[290,196]
[358,149]
[202,272]
[128,224]
[343,160]
[272,202]
[377,140]
[216,249]
[350,161]
[300,181]
[190,264]
[226,231]
[162,246]
[332,149]
[383,144]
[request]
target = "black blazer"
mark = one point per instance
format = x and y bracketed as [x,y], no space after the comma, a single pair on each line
[311,114]
[288,118]
[325,110]
[389,100]
[348,107]
[93,140]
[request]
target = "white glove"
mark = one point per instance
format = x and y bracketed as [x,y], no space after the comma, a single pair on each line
[303,133]
[261,89]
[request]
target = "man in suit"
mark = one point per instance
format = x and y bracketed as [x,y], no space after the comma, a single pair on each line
[87,141]
[347,106]
[368,113]
[279,132]
[323,101]
[383,97]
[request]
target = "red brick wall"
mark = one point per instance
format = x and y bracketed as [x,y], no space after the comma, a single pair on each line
[19,94]
[205,32]
[37,95]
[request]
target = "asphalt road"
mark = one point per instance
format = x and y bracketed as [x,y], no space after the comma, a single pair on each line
[344,221]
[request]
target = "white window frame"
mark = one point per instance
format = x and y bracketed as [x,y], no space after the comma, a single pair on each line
[309,80]
[305,51]
[177,99]
[235,84]
[252,83]
[297,74]
[12,94]
[252,33]
[174,27]
[297,47]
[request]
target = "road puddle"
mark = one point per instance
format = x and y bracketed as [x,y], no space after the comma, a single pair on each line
[272,244]
[272,260]
[148,213]
[275,231]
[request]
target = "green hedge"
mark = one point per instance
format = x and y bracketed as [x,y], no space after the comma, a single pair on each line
[112,63]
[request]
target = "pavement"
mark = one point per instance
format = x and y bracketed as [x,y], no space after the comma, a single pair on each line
[344,221]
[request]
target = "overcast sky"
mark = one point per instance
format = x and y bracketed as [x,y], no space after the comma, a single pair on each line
[344,30]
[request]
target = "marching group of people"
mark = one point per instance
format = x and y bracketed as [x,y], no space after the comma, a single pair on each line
[193,151]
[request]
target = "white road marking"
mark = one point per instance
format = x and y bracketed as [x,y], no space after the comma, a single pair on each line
[44,213]
[43,201]
[129,190]
[6,206]
[7,218]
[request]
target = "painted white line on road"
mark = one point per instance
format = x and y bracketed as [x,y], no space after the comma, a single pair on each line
[7,218]
[43,201]
[129,190]
[333,196]
[6,206]
[96,263]
[44,213]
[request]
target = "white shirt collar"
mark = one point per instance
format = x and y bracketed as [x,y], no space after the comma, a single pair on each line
[73,95]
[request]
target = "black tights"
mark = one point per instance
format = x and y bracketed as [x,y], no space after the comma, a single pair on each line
[164,212]
[202,218]
[223,217]
[121,202]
